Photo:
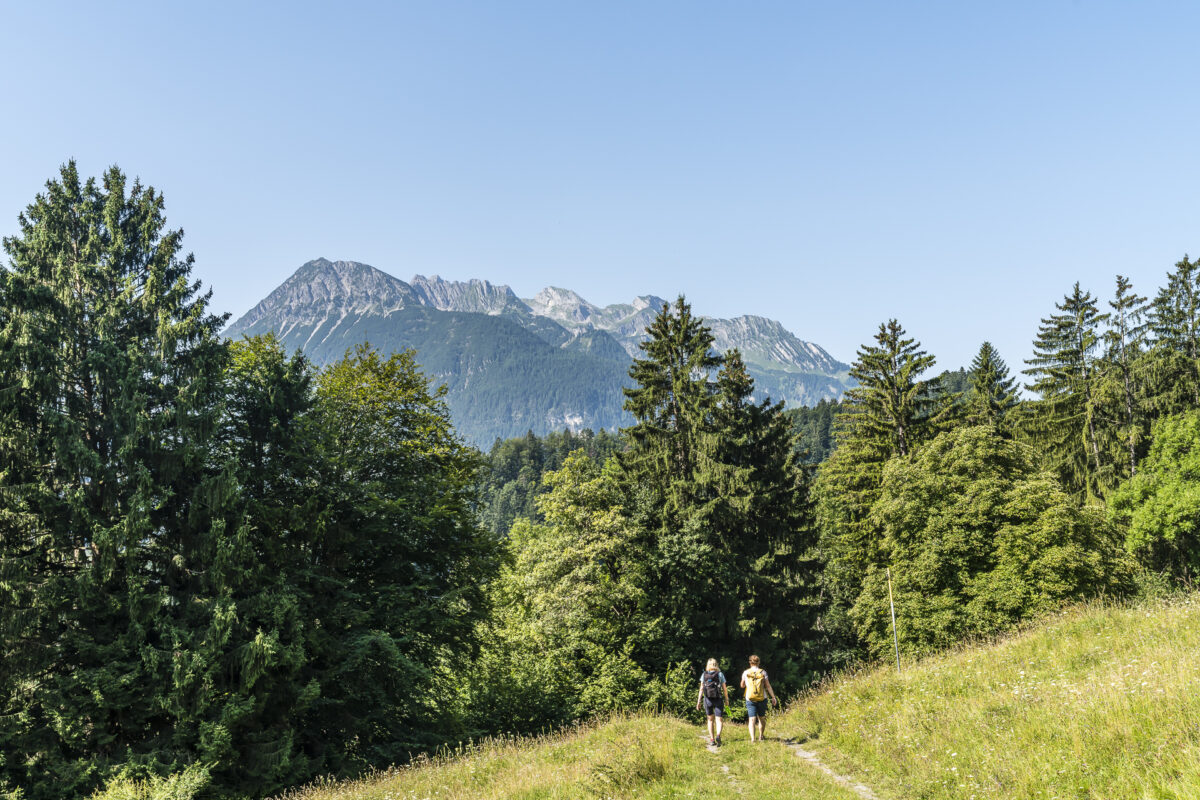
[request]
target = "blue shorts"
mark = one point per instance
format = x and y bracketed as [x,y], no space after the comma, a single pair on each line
[757,708]
[714,708]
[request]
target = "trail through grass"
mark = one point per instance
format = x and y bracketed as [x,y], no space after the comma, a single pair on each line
[1095,704]
[658,758]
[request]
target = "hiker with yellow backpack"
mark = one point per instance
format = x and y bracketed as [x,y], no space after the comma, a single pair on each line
[758,687]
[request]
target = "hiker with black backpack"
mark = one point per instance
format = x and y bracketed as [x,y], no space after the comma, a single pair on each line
[713,697]
[758,687]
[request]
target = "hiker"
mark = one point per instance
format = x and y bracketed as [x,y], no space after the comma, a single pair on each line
[713,697]
[758,687]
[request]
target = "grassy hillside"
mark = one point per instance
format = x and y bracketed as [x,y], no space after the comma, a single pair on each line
[1099,703]
[1095,703]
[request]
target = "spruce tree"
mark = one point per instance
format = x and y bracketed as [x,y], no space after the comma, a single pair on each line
[672,402]
[891,407]
[1174,320]
[992,395]
[1124,389]
[1065,370]
[758,501]
[123,551]
[886,415]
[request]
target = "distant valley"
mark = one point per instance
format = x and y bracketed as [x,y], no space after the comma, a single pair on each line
[511,365]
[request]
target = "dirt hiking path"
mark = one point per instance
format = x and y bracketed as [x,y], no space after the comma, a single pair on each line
[841,780]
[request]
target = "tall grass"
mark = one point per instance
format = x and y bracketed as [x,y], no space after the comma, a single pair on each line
[1101,702]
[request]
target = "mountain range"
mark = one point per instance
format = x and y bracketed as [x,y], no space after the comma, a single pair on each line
[511,365]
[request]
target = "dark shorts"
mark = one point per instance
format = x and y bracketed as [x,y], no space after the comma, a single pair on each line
[714,708]
[757,708]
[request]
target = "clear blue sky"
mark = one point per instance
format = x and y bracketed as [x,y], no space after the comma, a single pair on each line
[955,165]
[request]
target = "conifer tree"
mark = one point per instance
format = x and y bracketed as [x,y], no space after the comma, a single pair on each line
[757,499]
[672,402]
[1124,400]
[890,412]
[1065,372]
[891,407]
[122,549]
[720,500]
[1175,323]
[992,394]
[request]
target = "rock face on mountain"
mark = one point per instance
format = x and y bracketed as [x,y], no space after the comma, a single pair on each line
[324,289]
[512,365]
[766,343]
[474,295]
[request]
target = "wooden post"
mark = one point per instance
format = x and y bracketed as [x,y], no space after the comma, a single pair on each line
[892,603]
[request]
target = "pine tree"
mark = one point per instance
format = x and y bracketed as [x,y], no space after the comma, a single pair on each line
[1064,419]
[992,395]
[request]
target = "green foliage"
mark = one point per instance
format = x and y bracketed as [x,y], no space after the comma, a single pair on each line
[124,560]
[1125,407]
[210,567]
[815,429]
[1159,508]
[720,502]
[891,407]
[571,610]
[1175,321]
[185,785]
[513,478]
[889,412]
[396,580]
[1063,421]
[992,395]
[978,539]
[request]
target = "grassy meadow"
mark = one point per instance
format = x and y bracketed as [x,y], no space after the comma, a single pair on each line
[1096,702]
[639,756]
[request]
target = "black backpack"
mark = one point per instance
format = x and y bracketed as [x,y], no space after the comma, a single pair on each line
[712,684]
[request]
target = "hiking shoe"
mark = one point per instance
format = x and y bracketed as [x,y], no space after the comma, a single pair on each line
[712,742]
[718,741]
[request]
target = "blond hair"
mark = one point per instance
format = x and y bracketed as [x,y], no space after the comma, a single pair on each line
[754,661]
[712,664]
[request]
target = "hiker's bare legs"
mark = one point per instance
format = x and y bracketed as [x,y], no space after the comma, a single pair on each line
[719,727]
[711,738]
[750,724]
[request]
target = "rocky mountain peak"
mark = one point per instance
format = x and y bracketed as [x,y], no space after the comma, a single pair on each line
[321,287]
[475,295]
[562,305]
[649,301]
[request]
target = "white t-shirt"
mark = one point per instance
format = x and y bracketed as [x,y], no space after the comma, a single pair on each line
[746,680]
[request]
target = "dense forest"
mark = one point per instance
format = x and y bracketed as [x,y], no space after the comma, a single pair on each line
[222,564]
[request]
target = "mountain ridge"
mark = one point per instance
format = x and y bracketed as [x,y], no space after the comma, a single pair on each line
[566,366]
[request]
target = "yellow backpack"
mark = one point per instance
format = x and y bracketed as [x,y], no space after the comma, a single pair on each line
[755,680]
